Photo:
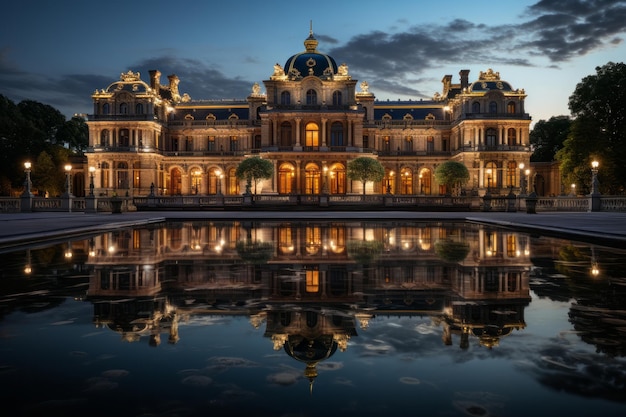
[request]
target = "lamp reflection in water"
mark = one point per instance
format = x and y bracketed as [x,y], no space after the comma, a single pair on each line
[595,269]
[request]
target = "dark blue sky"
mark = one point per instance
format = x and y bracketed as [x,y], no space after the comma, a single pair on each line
[58,53]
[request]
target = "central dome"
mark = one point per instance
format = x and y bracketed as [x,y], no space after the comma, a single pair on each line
[310,62]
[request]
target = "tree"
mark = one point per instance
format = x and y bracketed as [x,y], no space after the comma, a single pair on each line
[452,174]
[548,136]
[254,169]
[598,131]
[74,133]
[365,169]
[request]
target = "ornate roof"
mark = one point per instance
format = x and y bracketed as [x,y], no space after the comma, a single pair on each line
[311,62]
[489,80]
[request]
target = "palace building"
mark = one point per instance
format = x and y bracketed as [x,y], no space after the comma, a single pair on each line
[311,119]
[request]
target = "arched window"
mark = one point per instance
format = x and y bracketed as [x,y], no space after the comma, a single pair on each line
[511,137]
[337,179]
[475,107]
[491,175]
[311,98]
[312,179]
[285,98]
[510,107]
[311,135]
[215,181]
[176,182]
[138,108]
[490,138]
[123,108]
[337,98]
[493,107]
[336,134]
[286,178]
[106,108]
[406,181]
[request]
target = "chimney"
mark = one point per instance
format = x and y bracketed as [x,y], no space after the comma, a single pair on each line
[155,80]
[447,83]
[464,78]
[174,80]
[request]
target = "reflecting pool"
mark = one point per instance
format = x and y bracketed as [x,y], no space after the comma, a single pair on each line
[313,319]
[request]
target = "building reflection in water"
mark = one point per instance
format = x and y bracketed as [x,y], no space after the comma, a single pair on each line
[313,286]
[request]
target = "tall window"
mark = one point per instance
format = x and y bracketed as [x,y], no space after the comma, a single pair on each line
[137,175]
[106,108]
[211,143]
[105,175]
[408,144]
[285,98]
[104,137]
[510,107]
[493,107]
[124,138]
[122,175]
[491,175]
[336,134]
[386,144]
[406,181]
[475,107]
[234,146]
[312,135]
[123,108]
[430,144]
[490,137]
[285,134]
[337,98]
[312,179]
[511,174]
[311,97]
[511,137]
[138,108]
[286,177]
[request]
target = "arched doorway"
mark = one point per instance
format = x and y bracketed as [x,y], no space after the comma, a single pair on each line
[406,181]
[312,179]
[337,179]
[196,181]
[215,180]
[176,182]
[425,181]
[286,178]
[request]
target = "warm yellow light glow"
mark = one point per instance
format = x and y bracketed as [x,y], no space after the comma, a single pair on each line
[28,269]
[92,169]
[528,172]
[595,164]
[27,165]
[68,167]
[521,165]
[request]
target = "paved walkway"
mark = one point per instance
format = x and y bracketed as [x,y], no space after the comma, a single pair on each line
[19,229]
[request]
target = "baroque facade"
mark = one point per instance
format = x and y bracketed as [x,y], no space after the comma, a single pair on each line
[145,137]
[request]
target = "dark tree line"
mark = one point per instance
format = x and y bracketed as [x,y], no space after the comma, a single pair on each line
[36,132]
[595,131]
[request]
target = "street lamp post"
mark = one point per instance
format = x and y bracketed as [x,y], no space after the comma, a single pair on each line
[92,171]
[594,178]
[68,183]
[27,183]
[26,199]
[522,179]
[595,203]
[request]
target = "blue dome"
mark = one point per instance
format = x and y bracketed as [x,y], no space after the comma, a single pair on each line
[310,62]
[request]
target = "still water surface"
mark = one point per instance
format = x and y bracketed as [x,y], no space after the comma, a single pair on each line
[309,319]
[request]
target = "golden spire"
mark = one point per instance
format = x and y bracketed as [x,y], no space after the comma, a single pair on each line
[310,43]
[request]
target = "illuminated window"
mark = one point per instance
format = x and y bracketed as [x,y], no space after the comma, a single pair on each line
[312,281]
[510,107]
[312,135]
